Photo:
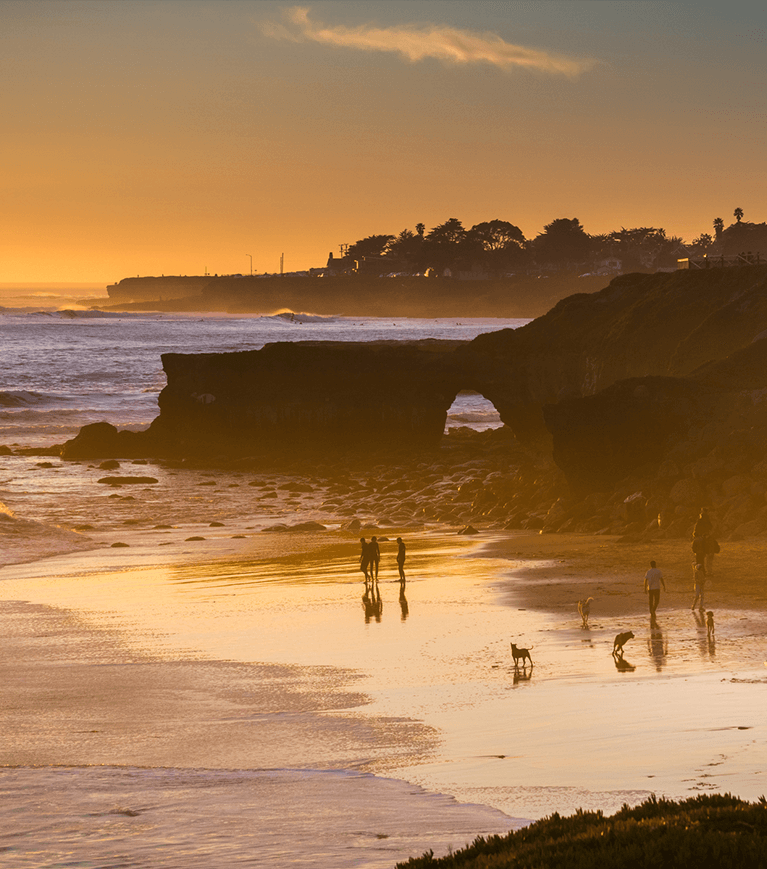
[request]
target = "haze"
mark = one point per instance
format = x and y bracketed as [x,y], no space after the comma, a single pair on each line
[174,137]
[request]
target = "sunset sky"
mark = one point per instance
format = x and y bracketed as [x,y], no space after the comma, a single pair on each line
[145,137]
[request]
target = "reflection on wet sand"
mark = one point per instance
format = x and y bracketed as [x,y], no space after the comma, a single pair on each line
[657,645]
[372,602]
[706,635]
[405,609]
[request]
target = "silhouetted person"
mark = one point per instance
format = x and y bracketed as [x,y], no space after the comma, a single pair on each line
[653,580]
[704,526]
[401,559]
[699,549]
[712,549]
[365,557]
[375,557]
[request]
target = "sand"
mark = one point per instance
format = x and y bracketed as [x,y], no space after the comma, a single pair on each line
[256,653]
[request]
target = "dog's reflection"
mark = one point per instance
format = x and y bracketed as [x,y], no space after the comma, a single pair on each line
[523,675]
[622,665]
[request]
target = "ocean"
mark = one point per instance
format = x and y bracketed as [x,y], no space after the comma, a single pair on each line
[65,368]
[193,675]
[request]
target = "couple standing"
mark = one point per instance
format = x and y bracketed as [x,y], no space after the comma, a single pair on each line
[370,558]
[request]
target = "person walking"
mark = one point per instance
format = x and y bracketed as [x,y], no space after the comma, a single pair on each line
[653,581]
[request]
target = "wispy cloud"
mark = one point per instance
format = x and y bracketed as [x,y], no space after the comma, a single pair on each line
[418,42]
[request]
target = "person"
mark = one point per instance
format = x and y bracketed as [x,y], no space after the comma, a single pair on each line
[401,559]
[699,546]
[375,557]
[364,557]
[699,581]
[704,526]
[653,580]
[712,548]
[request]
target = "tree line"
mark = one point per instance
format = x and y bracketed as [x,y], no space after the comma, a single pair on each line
[500,247]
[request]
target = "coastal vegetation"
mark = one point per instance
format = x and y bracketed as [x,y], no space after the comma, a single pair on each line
[498,247]
[713,830]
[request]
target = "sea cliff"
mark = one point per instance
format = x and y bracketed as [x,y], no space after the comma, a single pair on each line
[646,399]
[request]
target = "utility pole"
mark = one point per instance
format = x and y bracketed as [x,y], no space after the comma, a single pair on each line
[282,264]
[251,263]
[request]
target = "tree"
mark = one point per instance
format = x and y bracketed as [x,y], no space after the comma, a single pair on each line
[701,244]
[738,214]
[497,235]
[562,242]
[500,245]
[718,227]
[408,249]
[373,245]
[420,229]
[447,233]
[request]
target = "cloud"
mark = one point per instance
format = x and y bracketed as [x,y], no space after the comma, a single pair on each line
[418,42]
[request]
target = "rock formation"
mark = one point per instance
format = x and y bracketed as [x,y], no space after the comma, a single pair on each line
[650,395]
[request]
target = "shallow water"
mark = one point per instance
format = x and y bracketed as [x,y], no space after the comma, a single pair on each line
[240,699]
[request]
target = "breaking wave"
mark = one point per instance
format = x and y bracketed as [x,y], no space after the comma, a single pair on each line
[23,540]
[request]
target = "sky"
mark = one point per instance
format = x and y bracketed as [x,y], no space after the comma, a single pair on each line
[178,136]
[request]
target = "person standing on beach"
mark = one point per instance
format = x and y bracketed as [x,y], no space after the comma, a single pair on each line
[699,581]
[375,557]
[653,580]
[401,559]
[364,557]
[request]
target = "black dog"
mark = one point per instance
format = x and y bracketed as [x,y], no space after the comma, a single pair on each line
[518,653]
[620,642]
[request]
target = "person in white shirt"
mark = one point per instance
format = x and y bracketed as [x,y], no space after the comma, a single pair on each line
[653,581]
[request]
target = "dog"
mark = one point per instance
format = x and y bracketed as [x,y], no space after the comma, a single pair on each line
[583,608]
[710,625]
[620,642]
[523,654]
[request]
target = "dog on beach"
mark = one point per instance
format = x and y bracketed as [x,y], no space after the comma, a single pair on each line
[583,608]
[620,642]
[520,654]
[710,624]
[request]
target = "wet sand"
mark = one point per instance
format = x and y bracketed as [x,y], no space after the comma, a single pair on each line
[257,653]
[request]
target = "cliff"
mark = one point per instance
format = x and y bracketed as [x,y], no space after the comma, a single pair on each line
[353,295]
[657,384]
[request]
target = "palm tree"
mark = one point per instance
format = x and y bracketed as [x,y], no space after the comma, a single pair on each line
[738,214]
[718,226]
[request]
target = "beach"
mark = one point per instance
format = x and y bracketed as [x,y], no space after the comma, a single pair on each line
[145,691]
[195,672]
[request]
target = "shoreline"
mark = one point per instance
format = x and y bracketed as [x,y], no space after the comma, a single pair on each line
[427,697]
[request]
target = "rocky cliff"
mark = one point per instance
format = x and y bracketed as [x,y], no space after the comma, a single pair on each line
[656,385]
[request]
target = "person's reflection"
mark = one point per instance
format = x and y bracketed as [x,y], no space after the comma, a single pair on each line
[706,636]
[372,603]
[656,645]
[403,601]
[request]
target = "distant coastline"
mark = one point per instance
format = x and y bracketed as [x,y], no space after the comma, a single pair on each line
[404,296]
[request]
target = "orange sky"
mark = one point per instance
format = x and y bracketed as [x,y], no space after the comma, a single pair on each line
[170,137]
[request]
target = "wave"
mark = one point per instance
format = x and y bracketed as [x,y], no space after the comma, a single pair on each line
[23,540]
[25,398]
[297,317]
